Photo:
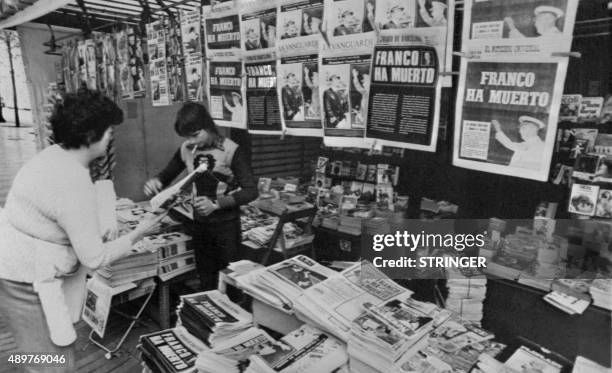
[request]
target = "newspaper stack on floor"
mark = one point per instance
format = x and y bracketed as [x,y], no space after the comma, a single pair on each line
[466,293]
[306,349]
[385,333]
[171,351]
[334,303]
[601,291]
[212,316]
[233,355]
[135,267]
[281,284]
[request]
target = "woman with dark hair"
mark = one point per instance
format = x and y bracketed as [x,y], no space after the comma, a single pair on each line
[50,226]
[219,193]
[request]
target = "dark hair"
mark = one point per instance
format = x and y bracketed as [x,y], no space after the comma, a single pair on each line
[193,117]
[81,118]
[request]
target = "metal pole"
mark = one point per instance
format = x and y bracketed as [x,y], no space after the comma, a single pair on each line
[7,38]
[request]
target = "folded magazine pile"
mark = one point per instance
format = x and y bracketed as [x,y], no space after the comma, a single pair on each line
[212,317]
[171,351]
[601,292]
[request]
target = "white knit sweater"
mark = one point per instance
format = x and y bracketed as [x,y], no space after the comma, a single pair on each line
[49,225]
[53,199]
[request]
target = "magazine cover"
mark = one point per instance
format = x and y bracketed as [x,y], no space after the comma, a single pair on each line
[226,92]
[570,105]
[590,108]
[263,111]
[583,199]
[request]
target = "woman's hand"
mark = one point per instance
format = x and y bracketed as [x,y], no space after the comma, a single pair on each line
[204,206]
[146,227]
[152,187]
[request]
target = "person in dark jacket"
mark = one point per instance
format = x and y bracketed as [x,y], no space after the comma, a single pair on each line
[219,192]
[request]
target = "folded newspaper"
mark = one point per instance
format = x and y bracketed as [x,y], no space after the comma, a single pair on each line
[212,316]
[171,195]
[333,304]
[281,284]
[233,355]
[309,350]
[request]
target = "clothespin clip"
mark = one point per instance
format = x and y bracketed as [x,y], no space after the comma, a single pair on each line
[463,55]
[566,54]
[373,147]
[325,38]
[283,133]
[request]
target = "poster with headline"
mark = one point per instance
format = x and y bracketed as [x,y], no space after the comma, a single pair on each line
[298,92]
[418,22]
[263,111]
[226,93]
[344,71]
[506,116]
[222,34]
[258,27]
[404,97]
[156,43]
[192,54]
[517,27]
[299,27]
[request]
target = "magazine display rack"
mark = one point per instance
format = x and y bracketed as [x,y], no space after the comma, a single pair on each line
[278,237]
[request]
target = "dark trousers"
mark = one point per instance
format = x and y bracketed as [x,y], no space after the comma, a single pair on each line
[215,246]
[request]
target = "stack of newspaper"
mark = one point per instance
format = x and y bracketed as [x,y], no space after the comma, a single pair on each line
[174,253]
[306,349]
[135,267]
[212,317]
[172,351]
[601,291]
[334,303]
[293,235]
[281,284]
[233,354]
[466,293]
[385,333]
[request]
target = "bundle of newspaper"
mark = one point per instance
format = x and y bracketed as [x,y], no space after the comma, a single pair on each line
[233,354]
[334,303]
[281,284]
[174,253]
[385,333]
[584,365]
[171,351]
[466,292]
[601,291]
[212,316]
[306,349]
[293,235]
[135,267]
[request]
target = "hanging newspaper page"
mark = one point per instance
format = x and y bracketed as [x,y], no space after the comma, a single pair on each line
[507,115]
[90,63]
[344,70]
[299,26]
[226,93]
[192,53]
[263,112]
[109,51]
[136,62]
[404,97]
[98,303]
[222,33]
[258,27]
[299,34]
[298,92]
[123,58]
[430,22]
[174,65]
[156,42]
[515,27]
